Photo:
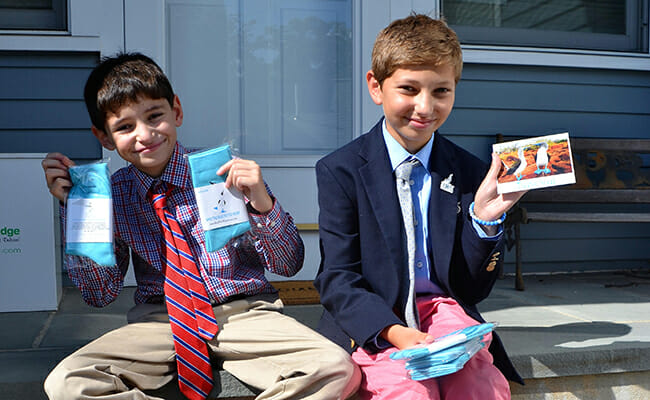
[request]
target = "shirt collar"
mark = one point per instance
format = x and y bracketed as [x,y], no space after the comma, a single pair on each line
[176,173]
[399,154]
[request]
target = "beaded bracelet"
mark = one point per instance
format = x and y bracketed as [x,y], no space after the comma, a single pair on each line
[481,222]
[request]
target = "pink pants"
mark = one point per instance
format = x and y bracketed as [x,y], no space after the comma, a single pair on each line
[479,379]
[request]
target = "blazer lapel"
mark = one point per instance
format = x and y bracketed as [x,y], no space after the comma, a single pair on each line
[376,176]
[443,208]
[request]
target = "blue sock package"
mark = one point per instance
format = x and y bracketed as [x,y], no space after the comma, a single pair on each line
[89,214]
[446,354]
[222,211]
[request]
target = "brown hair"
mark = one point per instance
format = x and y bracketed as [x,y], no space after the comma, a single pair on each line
[416,40]
[120,80]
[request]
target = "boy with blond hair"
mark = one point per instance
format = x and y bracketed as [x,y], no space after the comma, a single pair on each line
[410,225]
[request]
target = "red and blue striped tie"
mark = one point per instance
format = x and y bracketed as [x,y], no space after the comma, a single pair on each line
[190,312]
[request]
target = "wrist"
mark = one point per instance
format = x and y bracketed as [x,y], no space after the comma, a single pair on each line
[390,332]
[264,205]
[484,222]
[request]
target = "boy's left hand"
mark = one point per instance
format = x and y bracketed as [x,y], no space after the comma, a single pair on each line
[246,176]
[488,204]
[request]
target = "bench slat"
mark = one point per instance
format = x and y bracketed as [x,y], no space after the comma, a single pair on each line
[586,217]
[634,145]
[567,195]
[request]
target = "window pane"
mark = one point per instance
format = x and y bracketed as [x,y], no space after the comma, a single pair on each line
[33,14]
[596,24]
[33,4]
[275,76]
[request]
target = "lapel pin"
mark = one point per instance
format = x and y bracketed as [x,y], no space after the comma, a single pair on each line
[446,185]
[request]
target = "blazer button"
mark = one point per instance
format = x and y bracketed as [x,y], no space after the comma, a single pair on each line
[491,266]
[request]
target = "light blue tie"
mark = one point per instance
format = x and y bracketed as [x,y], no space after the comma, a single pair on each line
[403,182]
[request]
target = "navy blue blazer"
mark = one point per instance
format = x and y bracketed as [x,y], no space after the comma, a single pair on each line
[363,279]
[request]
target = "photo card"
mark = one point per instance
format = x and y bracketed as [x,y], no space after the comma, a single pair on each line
[534,163]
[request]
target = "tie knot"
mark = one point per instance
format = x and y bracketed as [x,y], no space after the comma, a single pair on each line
[158,194]
[403,171]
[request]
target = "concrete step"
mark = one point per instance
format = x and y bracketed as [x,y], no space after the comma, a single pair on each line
[571,337]
[595,374]
[612,386]
[22,372]
[582,336]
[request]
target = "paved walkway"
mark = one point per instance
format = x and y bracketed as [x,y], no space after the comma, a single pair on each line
[561,325]
[575,324]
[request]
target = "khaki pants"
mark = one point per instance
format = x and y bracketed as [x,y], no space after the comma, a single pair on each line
[256,343]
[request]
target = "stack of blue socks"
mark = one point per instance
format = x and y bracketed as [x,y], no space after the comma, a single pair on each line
[446,354]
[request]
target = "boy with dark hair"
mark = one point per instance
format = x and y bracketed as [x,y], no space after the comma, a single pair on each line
[410,231]
[193,307]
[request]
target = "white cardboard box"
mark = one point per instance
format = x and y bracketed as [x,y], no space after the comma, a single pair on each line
[30,271]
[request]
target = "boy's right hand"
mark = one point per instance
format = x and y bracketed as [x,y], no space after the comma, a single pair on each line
[57,176]
[404,337]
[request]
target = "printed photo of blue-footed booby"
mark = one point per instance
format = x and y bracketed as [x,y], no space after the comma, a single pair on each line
[517,164]
[541,159]
[534,162]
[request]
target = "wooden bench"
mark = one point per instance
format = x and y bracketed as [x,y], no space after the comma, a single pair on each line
[610,173]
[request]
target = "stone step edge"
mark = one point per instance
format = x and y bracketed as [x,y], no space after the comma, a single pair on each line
[584,362]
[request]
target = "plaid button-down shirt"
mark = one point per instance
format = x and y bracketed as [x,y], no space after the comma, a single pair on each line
[238,268]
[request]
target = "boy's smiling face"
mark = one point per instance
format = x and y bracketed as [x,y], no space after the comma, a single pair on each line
[143,133]
[416,101]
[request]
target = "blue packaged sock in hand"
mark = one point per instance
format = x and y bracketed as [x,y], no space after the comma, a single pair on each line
[222,211]
[444,362]
[89,214]
[446,354]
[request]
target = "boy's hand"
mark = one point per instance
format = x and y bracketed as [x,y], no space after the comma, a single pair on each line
[488,205]
[57,176]
[404,337]
[246,176]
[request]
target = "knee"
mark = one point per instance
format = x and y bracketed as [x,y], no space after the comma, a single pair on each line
[54,384]
[349,368]
[339,360]
[343,370]
[353,383]
[477,380]
[73,380]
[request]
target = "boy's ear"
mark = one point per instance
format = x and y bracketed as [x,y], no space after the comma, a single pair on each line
[374,88]
[104,139]
[178,111]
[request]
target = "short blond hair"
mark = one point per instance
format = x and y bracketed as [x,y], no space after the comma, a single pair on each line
[416,40]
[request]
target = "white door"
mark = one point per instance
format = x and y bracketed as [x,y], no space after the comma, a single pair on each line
[271,77]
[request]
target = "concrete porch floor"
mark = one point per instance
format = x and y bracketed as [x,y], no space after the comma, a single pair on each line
[571,336]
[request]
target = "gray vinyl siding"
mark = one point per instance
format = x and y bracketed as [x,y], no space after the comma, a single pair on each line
[533,101]
[41,104]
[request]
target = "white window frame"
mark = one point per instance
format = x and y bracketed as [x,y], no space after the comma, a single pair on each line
[558,57]
[93,26]
[630,41]
[38,17]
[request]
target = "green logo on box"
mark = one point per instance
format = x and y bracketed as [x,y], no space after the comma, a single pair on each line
[9,232]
